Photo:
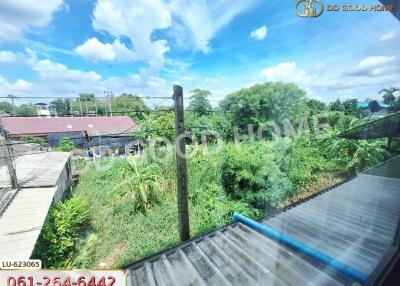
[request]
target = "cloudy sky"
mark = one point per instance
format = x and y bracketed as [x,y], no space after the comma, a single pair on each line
[64,47]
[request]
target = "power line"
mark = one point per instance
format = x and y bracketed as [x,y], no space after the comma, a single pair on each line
[93,113]
[213,100]
[96,97]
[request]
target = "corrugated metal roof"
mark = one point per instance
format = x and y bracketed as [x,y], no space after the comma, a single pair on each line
[354,223]
[43,177]
[388,126]
[35,170]
[95,126]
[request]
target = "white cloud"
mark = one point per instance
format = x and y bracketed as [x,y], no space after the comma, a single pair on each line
[136,20]
[17,16]
[48,70]
[286,72]
[375,66]
[375,61]
[93,49]
[388,36]
[19,87]
[259,33]
[191,23]
[203,19]
[56,79]
[8,57]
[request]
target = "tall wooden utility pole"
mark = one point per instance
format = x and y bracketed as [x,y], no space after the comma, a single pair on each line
[108,99]
[87,111]
[12,102]
[5,147]
[70,108]
[181,168]
[80,105]
[111,97]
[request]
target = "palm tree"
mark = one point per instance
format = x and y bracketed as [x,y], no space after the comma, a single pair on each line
[388,95]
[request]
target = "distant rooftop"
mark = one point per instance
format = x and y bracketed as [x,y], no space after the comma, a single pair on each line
[94,126]
[365,105]
[388,126]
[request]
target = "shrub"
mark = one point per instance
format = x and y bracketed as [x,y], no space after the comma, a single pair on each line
[250,172]
[63,226]
[66,145]
[35,140]
[300,160]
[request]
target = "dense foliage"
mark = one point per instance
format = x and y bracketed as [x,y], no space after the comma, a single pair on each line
[264,174]
[35,140]
[131,202]
[65,145]
[263,102]
[121,231]
[58,240]
[199,103]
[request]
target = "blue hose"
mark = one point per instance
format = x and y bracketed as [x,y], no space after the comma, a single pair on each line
[321,257]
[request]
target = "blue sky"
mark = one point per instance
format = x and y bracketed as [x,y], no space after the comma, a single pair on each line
[61,48]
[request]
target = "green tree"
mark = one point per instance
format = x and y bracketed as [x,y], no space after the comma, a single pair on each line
[26,110]
[350,107]
[315,106]
[336,106]
[199,103]
[66,145]
[6,107]
[130,105]
[388,95]
[264,102]
[87,96]
[211,123]
[157,125]
[62,106]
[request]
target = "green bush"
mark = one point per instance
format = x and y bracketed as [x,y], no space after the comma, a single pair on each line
[66,145]
[60,234]
[35,140]
[300,161]
[251,173]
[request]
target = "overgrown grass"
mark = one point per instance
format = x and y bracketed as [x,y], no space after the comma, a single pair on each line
[132,205]
[120,233]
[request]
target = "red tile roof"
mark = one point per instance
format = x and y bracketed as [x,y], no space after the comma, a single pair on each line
[18,126]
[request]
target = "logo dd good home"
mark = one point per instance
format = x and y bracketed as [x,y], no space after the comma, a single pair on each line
[315,8]
[309,8]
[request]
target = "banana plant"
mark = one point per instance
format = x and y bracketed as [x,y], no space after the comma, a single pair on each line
[354,154]
[141,183]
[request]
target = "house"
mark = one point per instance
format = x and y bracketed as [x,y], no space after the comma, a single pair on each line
[366,110]
[43,109]
[82,130]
